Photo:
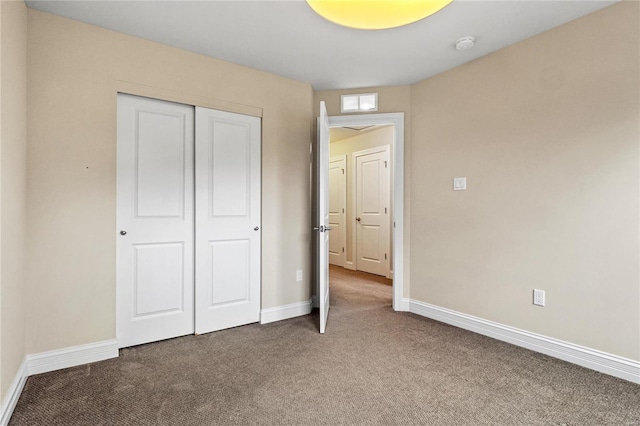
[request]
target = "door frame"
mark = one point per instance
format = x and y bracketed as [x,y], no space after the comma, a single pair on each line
[397,208]
[354,203]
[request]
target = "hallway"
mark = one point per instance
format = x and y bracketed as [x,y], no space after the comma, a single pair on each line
[355,290]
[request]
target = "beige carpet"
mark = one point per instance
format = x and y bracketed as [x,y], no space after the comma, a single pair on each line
[374,366]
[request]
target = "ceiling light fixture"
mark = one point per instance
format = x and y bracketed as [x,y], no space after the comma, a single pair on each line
[375,14]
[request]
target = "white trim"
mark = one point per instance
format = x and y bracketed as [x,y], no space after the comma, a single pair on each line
[71,357]
[593,359]
[284,312]
[397,207]
[13,394]
[349,265]
[163,94]
[406,305]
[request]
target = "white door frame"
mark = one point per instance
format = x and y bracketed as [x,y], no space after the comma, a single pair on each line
[397,208]
[354,203]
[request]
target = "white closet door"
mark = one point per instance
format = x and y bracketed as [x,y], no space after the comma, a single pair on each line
[154,270]
[227,220]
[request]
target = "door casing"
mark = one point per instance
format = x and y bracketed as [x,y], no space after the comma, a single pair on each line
[397,207]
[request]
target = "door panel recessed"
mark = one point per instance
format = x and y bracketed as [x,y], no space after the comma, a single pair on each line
[229,271]
[158,281]
[160,165]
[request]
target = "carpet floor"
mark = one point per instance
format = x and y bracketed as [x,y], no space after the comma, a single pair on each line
[373,366]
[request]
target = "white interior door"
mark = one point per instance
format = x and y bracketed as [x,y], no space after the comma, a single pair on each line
[323,227]
[372,211]
[227,220]
[337,209]
[154,272]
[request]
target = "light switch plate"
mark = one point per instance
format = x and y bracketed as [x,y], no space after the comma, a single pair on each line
[460,184]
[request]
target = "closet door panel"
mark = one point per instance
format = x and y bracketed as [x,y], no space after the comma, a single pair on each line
[155,220]
[227,220]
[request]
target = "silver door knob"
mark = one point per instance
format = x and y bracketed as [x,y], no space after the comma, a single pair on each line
[327,228]
[123,232]
[358,219]
[257,228]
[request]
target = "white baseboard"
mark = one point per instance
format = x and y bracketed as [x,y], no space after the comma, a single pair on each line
[405,305]
[603,362]
[70,357]
[349,265]
[13,394]
[284,312]
[51,361]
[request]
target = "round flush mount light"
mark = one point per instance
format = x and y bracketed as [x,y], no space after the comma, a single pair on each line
[376,14]
[465,43]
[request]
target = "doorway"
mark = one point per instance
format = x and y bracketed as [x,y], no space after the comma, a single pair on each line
[396,120]
[360,198]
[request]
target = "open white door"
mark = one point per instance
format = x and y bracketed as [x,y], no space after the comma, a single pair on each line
[227,225]
[323,227]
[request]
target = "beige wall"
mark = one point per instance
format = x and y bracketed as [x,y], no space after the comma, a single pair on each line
[13,145]
[390,99]
[73,70]
[372,139]
[547,134]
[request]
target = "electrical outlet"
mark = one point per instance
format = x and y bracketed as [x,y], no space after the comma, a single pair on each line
[538,297]
[299,275]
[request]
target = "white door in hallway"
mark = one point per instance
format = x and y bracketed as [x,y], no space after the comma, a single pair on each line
[322,214]
[154,271]
[227,220]
[372,210]
[337,209]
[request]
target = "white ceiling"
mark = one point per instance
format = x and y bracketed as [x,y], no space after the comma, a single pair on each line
[289,39]
[337,134]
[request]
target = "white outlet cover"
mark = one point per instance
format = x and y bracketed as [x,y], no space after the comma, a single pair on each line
[538,297]
[460,184]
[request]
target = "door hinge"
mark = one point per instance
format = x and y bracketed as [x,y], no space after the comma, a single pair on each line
[342,210]
[342,171]
[394,224]
[343,249]
[385,256]
[385,210]
[385,164]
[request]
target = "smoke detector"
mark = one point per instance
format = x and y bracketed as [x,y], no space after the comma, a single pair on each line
[465,43]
